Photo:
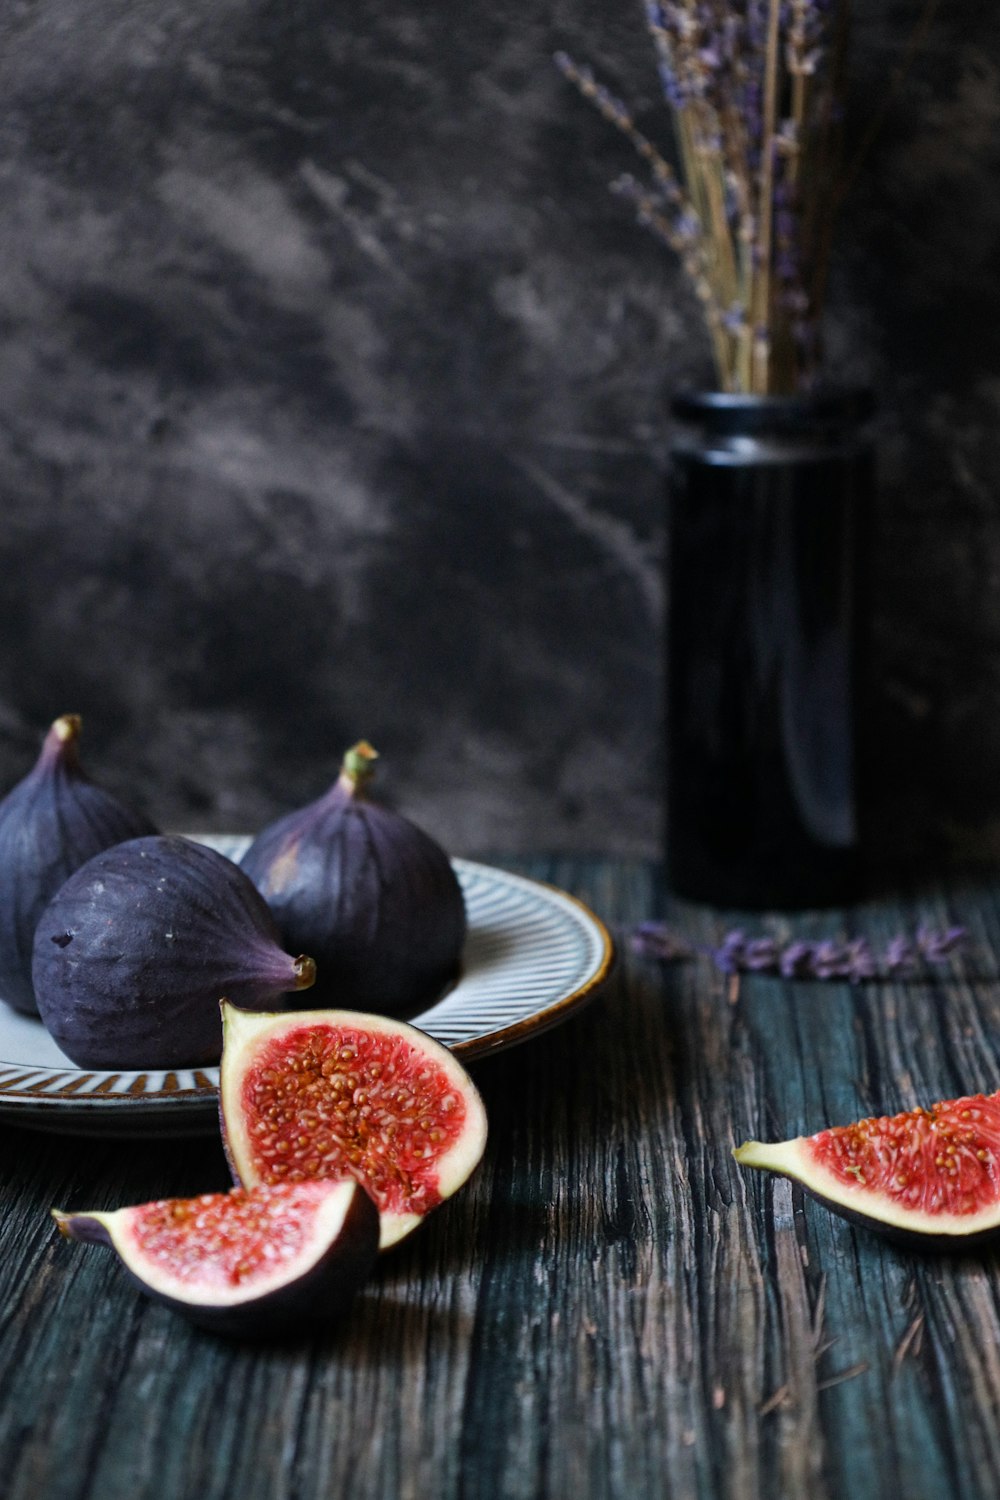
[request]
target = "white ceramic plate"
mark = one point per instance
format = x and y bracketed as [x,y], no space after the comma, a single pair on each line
[533,953]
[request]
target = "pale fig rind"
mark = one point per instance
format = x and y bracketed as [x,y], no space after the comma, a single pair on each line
[369,894]
[313,1289]
[51,823]
[135,951]
[906,1227]
[246,1040]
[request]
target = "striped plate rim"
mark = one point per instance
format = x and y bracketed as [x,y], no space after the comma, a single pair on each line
[533,954]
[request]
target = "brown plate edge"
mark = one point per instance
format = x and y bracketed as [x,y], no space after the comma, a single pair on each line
[555,1014]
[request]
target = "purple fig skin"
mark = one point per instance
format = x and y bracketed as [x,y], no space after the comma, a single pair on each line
[371,896]
[51,823]
[315,1297]
[134,952]
[910,1239]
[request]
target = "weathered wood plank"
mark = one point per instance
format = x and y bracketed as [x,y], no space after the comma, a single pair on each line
[612,1309]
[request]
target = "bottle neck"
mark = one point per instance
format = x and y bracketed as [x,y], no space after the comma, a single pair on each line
[757,428]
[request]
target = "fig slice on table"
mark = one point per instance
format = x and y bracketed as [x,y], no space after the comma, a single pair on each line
[262,1261]
[312,1094]
[926,1177]
[51,823]
[133,954]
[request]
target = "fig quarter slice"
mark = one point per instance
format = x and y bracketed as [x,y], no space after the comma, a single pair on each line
[260,1262]
[927,1177]
[312,1094]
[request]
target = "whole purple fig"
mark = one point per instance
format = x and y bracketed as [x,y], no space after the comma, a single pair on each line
[371,896]
[51,823]
[135,951]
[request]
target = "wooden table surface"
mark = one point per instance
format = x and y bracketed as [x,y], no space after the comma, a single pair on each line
[611,1308]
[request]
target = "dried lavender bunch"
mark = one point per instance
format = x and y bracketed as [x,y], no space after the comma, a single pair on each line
[853,959]
[754,90]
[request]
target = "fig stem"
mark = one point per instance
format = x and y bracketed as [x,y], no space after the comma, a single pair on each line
[358,766]
[62,740]
[67,727]
[305,972]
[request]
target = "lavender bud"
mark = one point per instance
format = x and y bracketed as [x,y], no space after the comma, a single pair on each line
[900,956]
[861,961]
[796,960]
[830,961]
[729,956]
[936,947]
[656,940]
[760,955]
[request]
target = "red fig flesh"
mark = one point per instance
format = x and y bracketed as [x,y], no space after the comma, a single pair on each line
[51,823]
[132,955]
[262,1261]
[323,1093]
[371,896]
[927,1176]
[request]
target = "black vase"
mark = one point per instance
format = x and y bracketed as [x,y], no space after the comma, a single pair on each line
[769,499]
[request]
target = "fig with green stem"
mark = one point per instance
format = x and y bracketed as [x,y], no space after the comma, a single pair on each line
[371,896]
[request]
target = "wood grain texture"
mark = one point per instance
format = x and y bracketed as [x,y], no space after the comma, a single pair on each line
[611,1309]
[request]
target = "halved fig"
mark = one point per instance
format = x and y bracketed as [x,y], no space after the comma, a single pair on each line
[927,1177]
[315,1094]
[261,1261]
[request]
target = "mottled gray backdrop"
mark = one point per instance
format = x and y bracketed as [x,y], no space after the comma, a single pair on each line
[331,383]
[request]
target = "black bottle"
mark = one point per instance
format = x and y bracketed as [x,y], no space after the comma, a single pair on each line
[769,498]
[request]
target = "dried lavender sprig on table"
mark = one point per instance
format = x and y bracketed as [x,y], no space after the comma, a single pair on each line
[657,940]
[825,958]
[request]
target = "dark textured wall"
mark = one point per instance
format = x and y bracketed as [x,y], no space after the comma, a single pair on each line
[331,380]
